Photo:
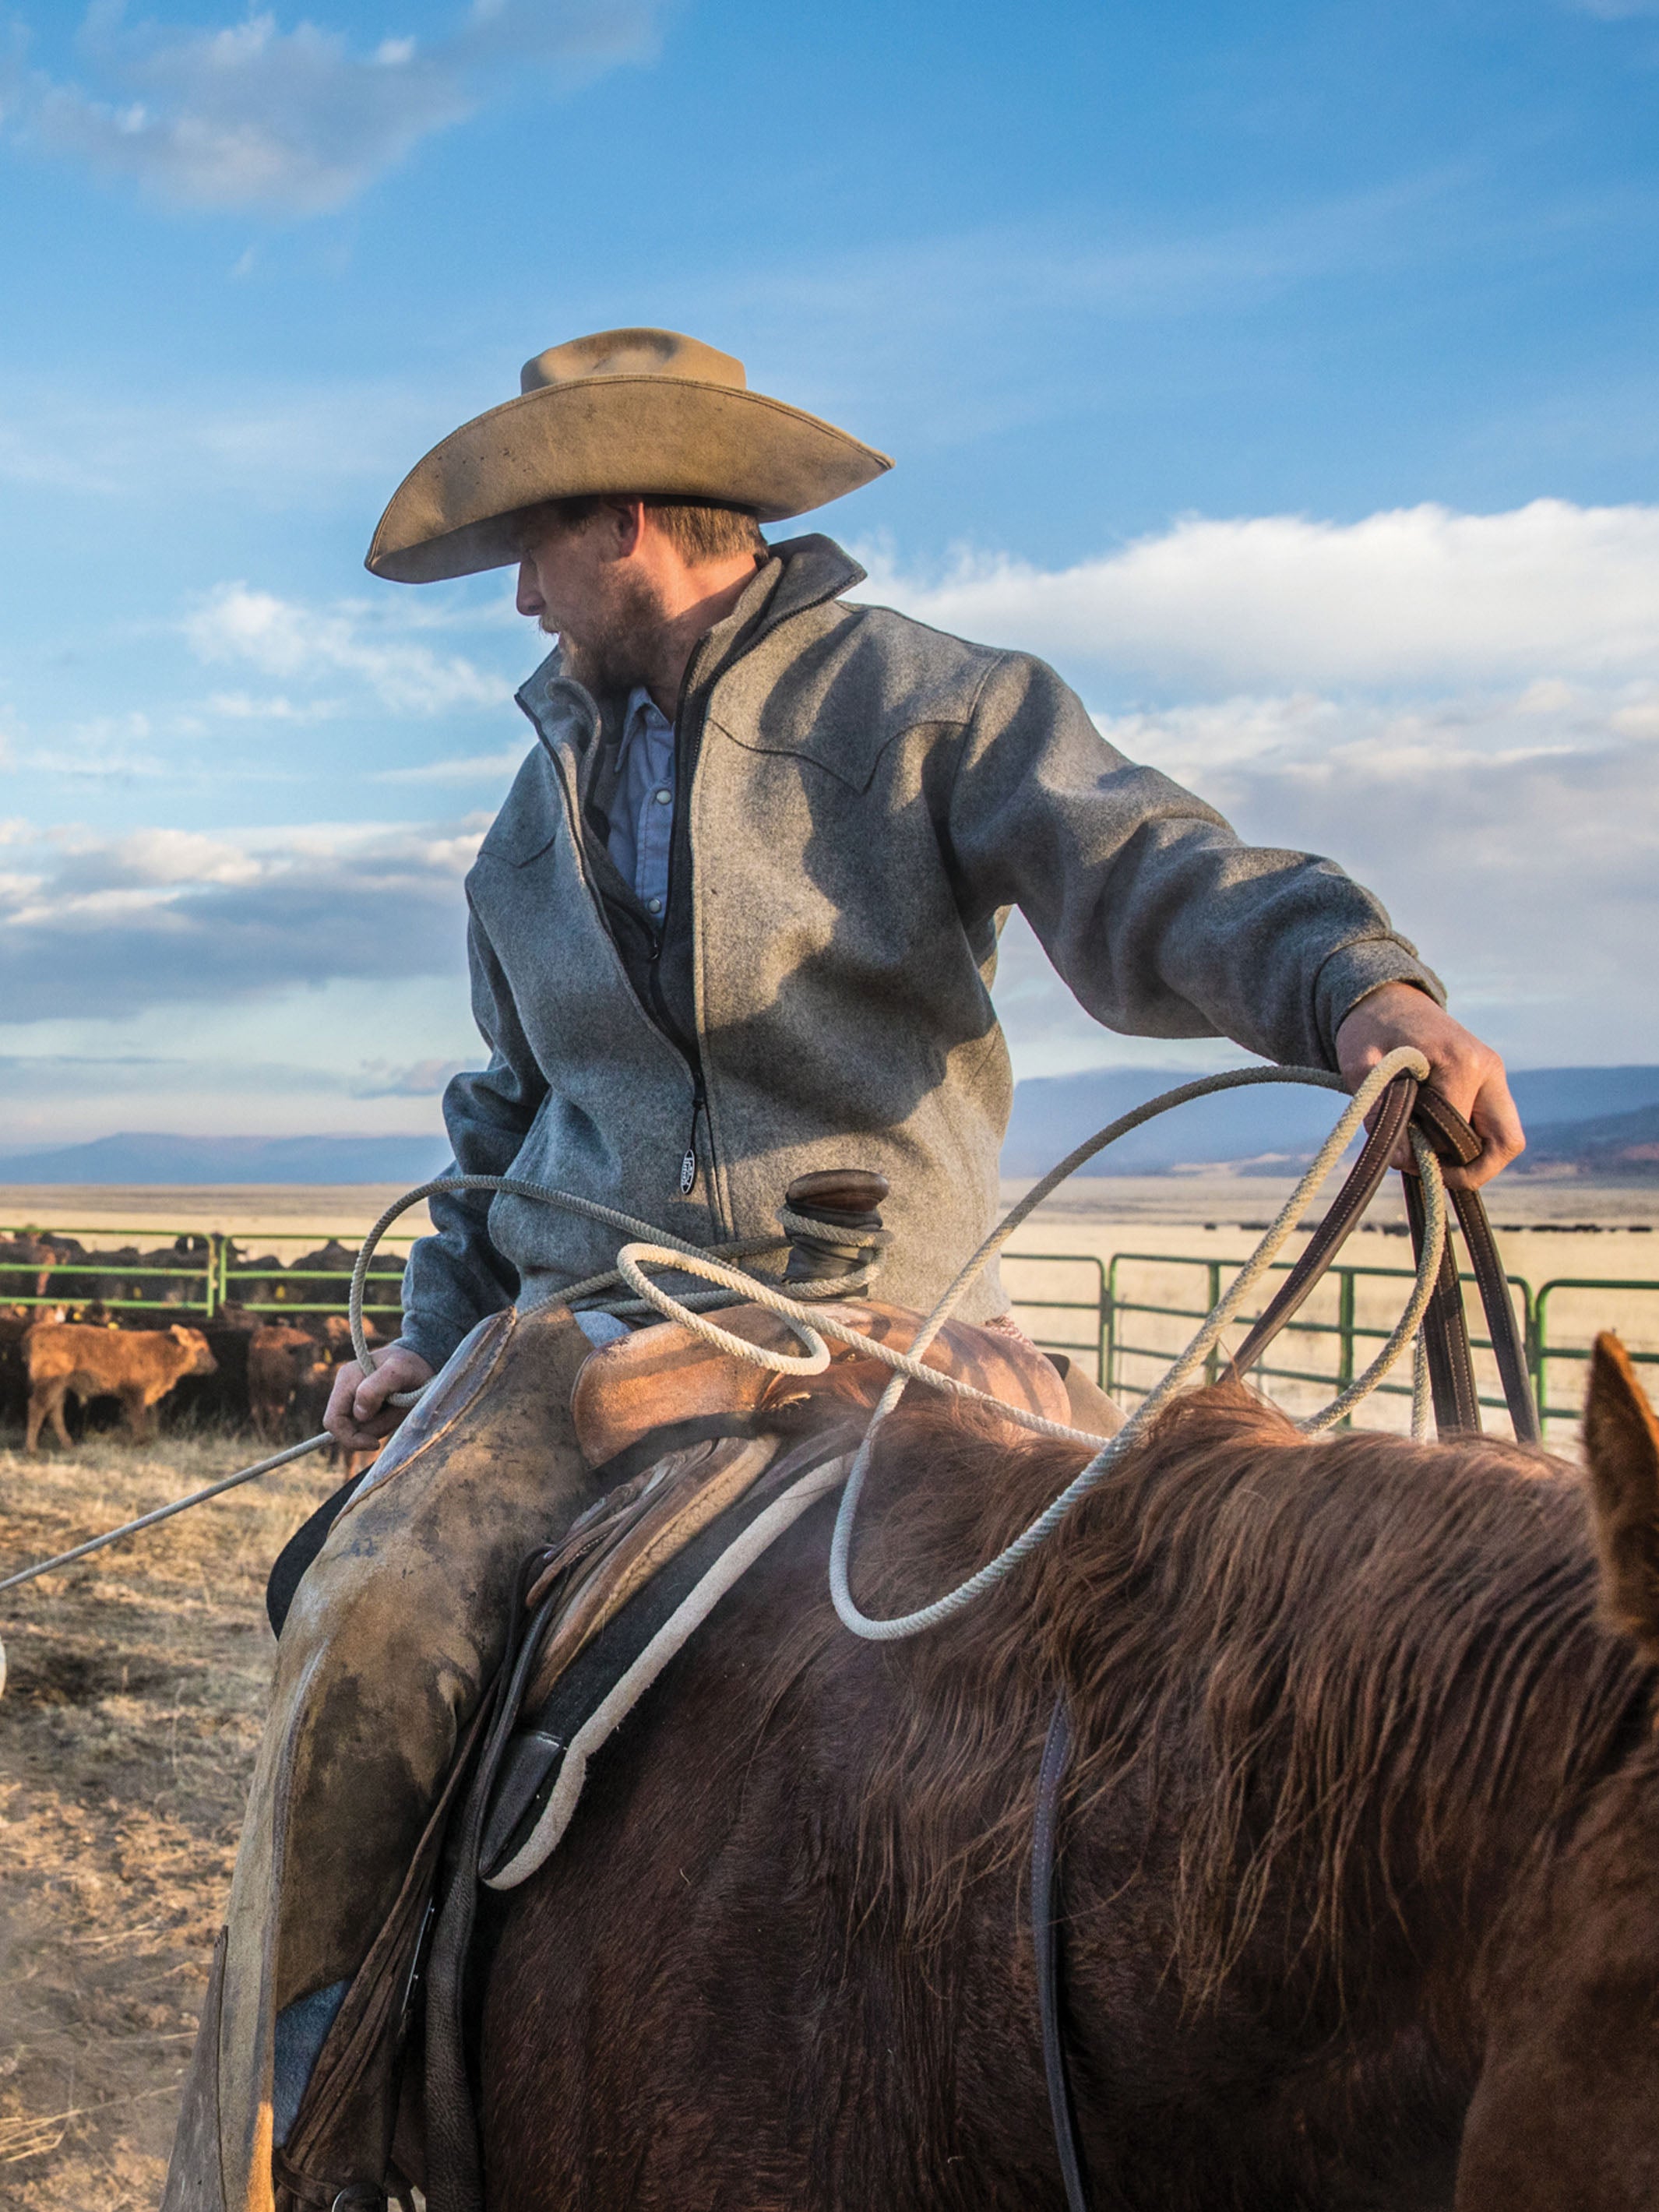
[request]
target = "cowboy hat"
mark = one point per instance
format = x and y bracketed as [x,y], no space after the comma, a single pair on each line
[621,411]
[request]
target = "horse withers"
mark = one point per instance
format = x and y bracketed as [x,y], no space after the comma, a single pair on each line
[1360,1855]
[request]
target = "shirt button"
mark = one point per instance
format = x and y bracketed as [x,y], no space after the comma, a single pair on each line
[654,906]
[664,797]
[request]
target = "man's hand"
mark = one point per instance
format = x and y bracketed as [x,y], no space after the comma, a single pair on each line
[358,1416]
[1466,1074]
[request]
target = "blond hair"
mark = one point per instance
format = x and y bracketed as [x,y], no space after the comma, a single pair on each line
[699,530]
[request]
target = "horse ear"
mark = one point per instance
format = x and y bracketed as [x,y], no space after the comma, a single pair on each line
[1621,1444]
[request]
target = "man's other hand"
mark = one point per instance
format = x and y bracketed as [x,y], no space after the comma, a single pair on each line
[358,1416]
[1466,1074]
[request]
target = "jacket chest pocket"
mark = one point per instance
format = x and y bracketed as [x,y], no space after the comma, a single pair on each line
[850,755]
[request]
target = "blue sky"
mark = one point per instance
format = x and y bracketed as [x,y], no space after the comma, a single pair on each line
[1287,374]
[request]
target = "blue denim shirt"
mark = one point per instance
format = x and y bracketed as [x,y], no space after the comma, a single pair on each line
[642,812]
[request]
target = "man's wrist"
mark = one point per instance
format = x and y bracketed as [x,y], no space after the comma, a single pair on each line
[1355,973]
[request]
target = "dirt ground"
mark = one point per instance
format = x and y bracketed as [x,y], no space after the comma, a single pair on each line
[127,1733]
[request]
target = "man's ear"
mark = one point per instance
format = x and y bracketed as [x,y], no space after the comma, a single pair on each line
[1621,1445]
[624,525]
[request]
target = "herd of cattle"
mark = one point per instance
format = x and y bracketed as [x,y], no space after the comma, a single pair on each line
[63,1336]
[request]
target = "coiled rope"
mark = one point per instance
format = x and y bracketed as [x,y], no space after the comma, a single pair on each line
[627,1290]
[670,1251]
[908,1367]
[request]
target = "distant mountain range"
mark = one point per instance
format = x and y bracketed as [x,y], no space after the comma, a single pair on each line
[142,1159]
[1596,1119]
[1591,1120]
[1624,1145]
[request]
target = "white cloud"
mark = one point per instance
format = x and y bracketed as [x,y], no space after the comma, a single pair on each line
[105,748]
[421,1078]
[298,122]
[1462,709]
[102,927]
[475,767]
[371,642]
[242,706]
[1418,596]
[1515,837]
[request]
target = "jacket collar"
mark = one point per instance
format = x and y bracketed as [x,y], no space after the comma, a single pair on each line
[802,573]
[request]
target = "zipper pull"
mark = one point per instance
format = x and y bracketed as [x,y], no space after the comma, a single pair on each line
[689,1164]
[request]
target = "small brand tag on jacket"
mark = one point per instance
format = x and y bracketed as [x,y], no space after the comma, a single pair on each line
[688,1173]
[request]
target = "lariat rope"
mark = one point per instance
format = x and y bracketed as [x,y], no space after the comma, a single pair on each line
[657,1248]
[671,1252]
[908,1367]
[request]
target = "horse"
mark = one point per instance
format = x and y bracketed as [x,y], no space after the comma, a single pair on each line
[1359,1847]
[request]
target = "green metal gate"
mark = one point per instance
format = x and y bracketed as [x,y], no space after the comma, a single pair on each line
[1113,1310]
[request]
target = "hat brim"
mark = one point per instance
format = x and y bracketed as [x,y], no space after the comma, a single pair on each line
[453,514]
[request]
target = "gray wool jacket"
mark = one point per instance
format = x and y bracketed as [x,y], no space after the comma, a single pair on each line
[861,799]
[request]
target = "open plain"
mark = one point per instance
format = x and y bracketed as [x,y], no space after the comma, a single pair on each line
[138,1678]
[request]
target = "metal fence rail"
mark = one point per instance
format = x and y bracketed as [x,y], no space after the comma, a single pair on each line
[186,1273]
[1107,1331]
[290,1289]
[202,1273]
[185,1278]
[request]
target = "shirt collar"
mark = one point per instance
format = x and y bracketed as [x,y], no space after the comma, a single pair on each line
[802,572]
[642,714]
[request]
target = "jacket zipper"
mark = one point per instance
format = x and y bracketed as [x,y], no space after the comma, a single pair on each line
[689,1164]
[690,1048]
[659,1011]
[656,1014]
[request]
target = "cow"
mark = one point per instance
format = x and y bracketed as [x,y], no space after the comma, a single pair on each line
[24,1266]
[317,1381]
[278,1355]
[139,1366]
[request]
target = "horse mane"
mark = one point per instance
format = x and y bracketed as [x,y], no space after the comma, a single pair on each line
[1345,1663]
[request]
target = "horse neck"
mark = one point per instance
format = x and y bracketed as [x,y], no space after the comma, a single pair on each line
[1358,1718]
[1563,2109]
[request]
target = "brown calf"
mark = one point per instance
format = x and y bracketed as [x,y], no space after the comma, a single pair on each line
[139,1366]
[278,1354]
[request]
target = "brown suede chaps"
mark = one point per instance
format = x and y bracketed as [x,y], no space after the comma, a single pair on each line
[395,1630]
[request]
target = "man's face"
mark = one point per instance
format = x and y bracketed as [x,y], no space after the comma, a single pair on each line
[583,583]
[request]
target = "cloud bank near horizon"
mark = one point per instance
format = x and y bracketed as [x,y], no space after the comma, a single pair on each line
[1463,710]
[113,929]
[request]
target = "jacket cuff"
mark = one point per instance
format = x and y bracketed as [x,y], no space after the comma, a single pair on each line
[430,1339]
[1354,971]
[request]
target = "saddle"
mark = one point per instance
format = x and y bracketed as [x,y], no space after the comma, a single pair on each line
[708,1459]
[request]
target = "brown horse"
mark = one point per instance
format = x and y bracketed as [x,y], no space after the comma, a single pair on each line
[1361,1857]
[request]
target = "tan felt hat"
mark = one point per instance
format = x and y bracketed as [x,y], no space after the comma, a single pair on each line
[620,411]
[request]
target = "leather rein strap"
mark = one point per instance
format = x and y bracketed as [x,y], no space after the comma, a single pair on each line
[1445,1330]
[1046,1941]
[1456,1413]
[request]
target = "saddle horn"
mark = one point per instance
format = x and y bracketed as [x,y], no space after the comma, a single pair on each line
[847,1202]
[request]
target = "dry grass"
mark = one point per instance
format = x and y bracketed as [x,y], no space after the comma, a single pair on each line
[127,1734]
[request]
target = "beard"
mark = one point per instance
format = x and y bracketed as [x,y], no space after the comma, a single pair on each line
[618,649]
